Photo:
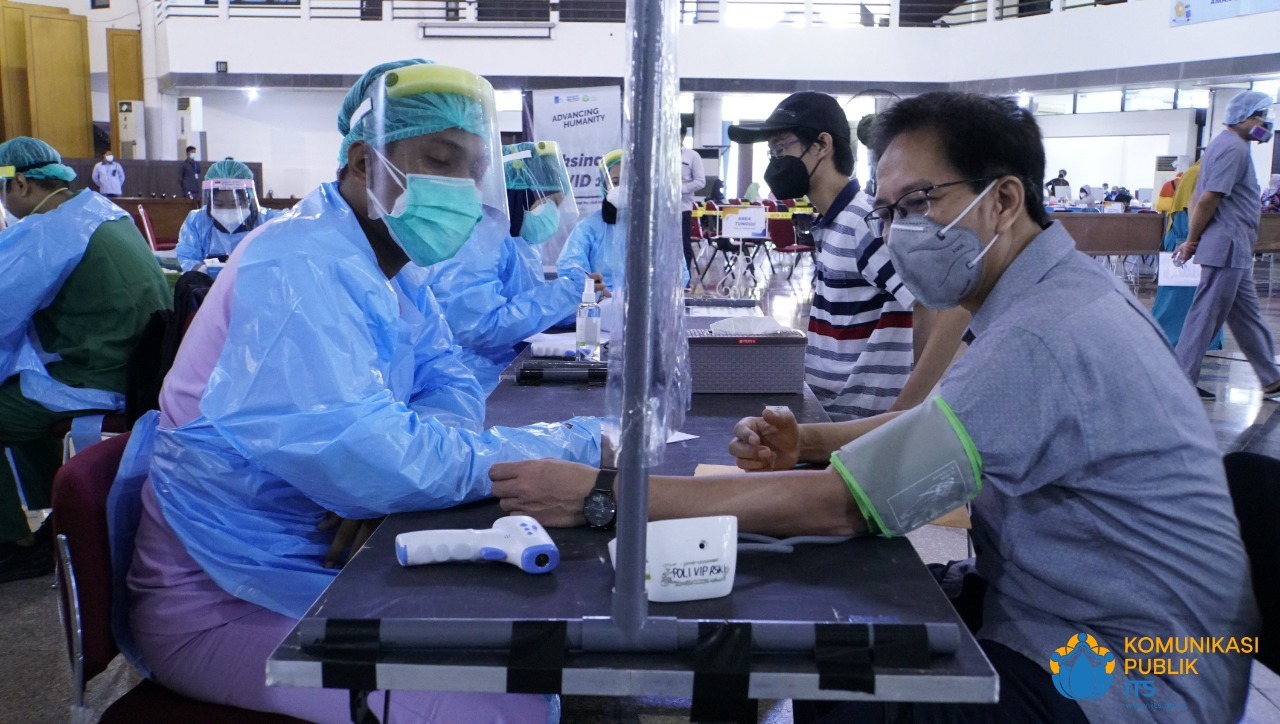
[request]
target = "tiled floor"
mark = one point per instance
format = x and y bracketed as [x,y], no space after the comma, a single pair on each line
[35,679]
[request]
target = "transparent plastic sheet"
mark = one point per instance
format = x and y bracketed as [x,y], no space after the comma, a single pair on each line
[650,210]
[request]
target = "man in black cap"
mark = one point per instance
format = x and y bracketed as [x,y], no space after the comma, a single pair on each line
[866,330]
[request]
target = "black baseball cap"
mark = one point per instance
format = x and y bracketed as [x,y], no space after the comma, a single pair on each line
[806,109]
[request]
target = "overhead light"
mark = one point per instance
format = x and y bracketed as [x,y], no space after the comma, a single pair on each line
[252,93]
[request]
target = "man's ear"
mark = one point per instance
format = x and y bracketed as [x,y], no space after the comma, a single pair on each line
[824,145]
[1011,198]
[358,163]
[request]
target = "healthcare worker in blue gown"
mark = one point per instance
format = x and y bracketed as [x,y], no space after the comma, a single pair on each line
[319,376]
[590,246]
[228,211]
[493,292]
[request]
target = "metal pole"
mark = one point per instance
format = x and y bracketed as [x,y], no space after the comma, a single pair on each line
[649,104]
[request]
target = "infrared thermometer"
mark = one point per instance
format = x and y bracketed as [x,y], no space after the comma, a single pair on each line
[517,539]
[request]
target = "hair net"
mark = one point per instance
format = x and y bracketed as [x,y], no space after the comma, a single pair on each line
[355,97]
[228,168]
[34,159]
[1246,104]
[405,116]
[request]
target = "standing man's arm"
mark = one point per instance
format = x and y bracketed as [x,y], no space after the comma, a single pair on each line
[1201,214]
[698,179]
[936,337]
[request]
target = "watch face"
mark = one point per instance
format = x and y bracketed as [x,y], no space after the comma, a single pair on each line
[599,508]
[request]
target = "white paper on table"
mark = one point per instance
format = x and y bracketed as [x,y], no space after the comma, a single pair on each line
[746,325]
[1170,275]
[559,345]
[722,312]
[680,437]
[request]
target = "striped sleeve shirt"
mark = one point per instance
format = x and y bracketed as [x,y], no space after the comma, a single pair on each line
[859,353]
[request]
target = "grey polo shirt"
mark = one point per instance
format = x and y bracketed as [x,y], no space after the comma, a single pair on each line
[1104,507]
[1227,168]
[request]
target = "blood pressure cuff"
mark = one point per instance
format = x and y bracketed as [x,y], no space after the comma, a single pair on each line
[912,469]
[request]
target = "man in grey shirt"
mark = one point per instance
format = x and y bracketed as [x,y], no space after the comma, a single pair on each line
[692,179]
[1223,229]
[1103,513]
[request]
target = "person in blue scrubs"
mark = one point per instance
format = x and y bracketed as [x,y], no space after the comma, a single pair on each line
[320,377]
[228,211]
[493,293]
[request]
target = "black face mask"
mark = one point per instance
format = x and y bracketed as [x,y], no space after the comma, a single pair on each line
[787,177]
[609,212]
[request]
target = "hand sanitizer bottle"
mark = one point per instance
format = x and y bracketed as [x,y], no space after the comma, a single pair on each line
[588,327]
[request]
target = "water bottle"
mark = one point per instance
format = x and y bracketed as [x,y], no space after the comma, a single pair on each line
[587,331]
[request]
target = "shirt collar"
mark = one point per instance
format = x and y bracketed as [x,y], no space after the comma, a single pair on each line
[1046,251]
[843,199]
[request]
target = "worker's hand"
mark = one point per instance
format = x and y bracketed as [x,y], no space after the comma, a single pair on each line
[769,442]
[1183,253]
[551,491]
[599,279]
[350,536]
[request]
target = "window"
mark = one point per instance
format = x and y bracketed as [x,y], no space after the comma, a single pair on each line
[1149,99]
[514,10]
[593,11]
[1270,87]
[1099,102]
[1052,105]
[1193,97]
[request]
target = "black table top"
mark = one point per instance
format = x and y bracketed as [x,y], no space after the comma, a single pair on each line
[864,581]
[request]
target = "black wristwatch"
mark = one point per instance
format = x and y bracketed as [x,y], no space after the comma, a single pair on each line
[600,507]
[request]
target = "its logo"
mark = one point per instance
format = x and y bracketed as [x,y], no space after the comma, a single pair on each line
[555,99]
[1082,669]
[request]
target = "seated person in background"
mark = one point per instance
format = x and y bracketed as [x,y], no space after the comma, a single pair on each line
[873,345]
[78,286]
[591,245]
[539,194]
[1271,197]
[493,292]
[1086,517]
[319,375]
[228,212]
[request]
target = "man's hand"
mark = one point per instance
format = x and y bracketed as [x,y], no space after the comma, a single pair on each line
[770,442]
[599,279]
[551,491]
[350,536]
[1184,252]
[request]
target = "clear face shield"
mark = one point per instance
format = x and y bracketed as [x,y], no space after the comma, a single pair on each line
[434,158]
[611,176]
[231,202]
[7,174]
[538,181]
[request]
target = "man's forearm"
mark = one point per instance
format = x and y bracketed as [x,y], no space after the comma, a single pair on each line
[1201,214]
[794,502]
[940,334]
[819,439]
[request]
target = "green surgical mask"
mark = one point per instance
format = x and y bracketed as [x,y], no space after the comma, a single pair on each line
[434,217]
[540,223]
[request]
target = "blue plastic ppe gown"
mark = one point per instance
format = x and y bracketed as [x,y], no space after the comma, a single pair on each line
[588,247]
[335,390]
[200,238]
[494,295]
[37,254]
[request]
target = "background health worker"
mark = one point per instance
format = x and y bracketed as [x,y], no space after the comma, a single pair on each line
[493,292]
[228,211]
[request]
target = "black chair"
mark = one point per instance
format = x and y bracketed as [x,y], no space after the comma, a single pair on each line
[1254,481]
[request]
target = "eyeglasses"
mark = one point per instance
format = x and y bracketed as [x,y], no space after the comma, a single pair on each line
[911,203]
[776,151]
